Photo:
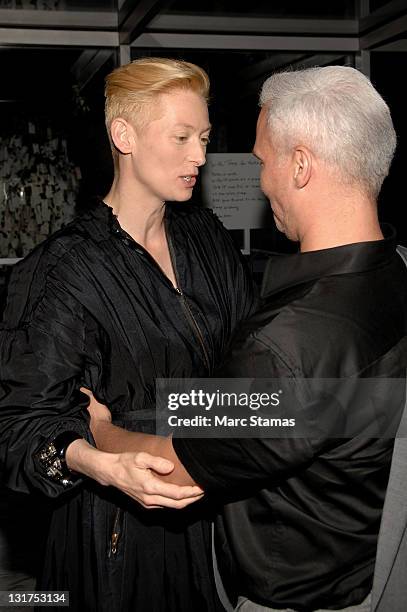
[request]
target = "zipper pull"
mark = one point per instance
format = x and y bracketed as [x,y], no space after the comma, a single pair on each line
[116,531]
[114,540]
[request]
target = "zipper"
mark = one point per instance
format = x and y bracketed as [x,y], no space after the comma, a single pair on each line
[187,310]
[129,241]
[114,538]
[195,327]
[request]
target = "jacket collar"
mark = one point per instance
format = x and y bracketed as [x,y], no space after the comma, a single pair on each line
[284,271]
[101,222]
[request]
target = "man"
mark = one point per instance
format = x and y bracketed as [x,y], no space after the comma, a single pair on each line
[325,141]
[306,538]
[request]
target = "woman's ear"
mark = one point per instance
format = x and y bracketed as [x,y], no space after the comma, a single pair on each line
[302,166]
[122,135]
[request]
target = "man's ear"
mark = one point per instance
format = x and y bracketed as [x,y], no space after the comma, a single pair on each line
[302,164]
[122,134]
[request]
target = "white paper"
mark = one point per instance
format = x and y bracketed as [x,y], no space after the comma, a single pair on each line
[231,187]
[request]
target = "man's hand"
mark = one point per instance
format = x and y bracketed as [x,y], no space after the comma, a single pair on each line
[131,473]
[97,411]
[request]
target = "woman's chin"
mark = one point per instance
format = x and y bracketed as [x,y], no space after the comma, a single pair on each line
[183,198]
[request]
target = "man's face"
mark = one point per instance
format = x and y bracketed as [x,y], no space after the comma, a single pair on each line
[274,175]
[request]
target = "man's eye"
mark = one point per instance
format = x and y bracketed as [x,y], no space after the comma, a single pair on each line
[181,138]
[205,140]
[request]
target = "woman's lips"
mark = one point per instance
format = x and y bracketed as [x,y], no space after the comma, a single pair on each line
[189,180]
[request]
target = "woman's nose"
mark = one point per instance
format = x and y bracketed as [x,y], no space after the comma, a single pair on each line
[197,154]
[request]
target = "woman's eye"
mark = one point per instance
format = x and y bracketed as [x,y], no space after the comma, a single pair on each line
[181,138]
[205,141]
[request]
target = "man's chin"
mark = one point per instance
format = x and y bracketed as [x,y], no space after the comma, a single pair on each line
[279,224]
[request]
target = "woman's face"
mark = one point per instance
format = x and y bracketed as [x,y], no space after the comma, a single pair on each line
[169,150]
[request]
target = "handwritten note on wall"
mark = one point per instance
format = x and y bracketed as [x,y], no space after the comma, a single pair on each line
[231,187]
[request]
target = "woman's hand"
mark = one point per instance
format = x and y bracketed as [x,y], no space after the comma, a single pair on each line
[131,472]
[135,473]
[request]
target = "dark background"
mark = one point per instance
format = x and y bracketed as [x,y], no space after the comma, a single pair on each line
[39,84]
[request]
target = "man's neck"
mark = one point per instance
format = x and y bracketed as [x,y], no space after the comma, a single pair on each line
[347,221]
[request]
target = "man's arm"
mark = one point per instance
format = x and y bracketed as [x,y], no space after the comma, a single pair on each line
[114,439]
[220,465]
[139,474]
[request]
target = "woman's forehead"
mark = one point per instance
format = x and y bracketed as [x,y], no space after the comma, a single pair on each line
[183,107]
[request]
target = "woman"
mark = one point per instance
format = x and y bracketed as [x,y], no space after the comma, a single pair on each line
[135,289]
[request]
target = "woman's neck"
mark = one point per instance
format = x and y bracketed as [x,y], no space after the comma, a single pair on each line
[141,217]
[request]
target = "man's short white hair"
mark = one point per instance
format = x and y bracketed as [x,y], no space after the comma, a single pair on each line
[338,114]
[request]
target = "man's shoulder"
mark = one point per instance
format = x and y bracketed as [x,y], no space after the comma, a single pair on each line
[402,250]
[335,327]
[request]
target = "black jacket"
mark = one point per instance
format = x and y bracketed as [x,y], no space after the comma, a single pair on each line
[307,538]
[91,307]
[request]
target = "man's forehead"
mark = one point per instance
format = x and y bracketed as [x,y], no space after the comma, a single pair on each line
[262,118]
[261,130]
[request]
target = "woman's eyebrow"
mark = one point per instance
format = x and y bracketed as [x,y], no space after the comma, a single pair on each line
[191,127]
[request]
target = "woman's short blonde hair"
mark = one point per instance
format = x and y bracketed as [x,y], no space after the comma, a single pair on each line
[131,89]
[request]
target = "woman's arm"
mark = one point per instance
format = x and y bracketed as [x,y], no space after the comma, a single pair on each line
[114,439]
[43,354]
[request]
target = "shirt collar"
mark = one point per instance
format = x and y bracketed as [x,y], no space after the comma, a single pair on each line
[284,271]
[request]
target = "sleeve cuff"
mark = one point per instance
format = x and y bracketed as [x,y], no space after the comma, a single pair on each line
[49,459]
[193,460]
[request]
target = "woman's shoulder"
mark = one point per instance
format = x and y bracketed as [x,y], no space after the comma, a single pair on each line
[200,226]
[32,275]
[55,261]
[84,230]
[195,215]
[49,253]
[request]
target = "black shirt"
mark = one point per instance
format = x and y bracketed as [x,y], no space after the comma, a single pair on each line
[307,539]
